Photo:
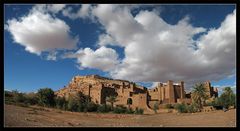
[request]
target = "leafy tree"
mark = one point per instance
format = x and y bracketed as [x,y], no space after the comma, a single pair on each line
[72,104]
[227,98]
[199,95]
[111,99]
[31,98]
[18,97]
[46,97]
[61,103]
[8,94]
[84,103]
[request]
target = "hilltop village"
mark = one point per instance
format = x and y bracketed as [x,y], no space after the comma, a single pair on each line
[98,88]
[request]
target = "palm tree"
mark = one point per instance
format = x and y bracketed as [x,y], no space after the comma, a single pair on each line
[199,94]
[111,99]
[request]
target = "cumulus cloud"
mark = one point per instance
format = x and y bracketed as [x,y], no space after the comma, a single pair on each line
[103,58]
[39,31]
[157,51]
[118,22]
[154,50]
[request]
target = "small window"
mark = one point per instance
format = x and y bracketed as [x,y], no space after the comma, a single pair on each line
[131,94]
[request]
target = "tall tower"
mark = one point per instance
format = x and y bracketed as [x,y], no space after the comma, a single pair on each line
[182,90]
[171,91]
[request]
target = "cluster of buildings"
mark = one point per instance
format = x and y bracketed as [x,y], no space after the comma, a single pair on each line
[98,88]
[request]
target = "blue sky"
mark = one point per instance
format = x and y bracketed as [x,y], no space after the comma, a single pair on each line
[46,45]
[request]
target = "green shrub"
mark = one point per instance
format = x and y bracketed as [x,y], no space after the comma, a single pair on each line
[192,108]
[104,108]
[72,104]
[130,111]
[120,109]
[46,97]
[168,106]
[81,107]
[138,111]
[31,98]
[19,97]
[8,94]
[91,107]
[181,108]
[60,103]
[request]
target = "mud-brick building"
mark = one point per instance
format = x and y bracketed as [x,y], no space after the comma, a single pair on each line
[168,93]
[99,88]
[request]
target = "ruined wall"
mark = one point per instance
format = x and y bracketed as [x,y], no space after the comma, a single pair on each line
[140,101]
[154,93]
[184,100]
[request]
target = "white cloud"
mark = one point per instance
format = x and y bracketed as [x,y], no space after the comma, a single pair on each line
[154,50]
[52,56]
[39,31]
[46,8]
[105,39]
[55,8]
[83,12]
[158,51]
[103,58]
[118,22]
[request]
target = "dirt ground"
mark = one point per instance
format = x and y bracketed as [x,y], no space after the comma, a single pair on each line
[16,116]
